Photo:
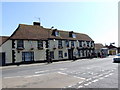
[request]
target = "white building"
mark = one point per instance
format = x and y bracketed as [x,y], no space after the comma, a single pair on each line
[34,43]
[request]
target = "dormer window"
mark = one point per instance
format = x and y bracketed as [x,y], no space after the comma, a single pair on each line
[74,35]
[56,33]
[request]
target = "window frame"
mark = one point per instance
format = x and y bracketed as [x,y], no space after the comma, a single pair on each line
[56,33]
[88,44]
[60,54]
[67,43]
[40,43]
[73,35]
[59,43]
[80,43]
[52,55]
[20,44]
[65,54]
[26,55]
[72,44]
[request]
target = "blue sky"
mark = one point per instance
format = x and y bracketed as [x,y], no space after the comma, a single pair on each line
[97,19]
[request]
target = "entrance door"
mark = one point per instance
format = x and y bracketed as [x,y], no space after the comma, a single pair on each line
[70,54]
[2,59]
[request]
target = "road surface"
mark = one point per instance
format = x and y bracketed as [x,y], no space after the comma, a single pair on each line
[83,73]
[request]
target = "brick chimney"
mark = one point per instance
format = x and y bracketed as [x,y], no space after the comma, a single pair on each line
[36,23]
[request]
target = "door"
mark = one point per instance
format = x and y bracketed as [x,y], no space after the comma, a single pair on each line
[70,54]
[2,59]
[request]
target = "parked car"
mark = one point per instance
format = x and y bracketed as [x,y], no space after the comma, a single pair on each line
[116,58]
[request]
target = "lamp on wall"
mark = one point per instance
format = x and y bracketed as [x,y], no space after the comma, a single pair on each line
[54,40]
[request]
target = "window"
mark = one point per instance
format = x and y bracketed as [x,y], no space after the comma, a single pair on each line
[80,43]
[72,43]
[65,54]
[60,54]
[27,56]
[84,44]
[47,44]
[67,43]
[79,53]
[83,54]
[74,35]
[40,44]
[92,44]
[88,43]
[20,44]
[52,54]
[59,43]
[56,33]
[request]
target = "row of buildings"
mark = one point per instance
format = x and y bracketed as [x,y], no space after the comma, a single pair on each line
[33,43]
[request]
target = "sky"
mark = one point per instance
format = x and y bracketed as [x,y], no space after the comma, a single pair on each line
[99,20]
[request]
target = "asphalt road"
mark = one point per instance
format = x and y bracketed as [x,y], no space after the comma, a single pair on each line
[83,73]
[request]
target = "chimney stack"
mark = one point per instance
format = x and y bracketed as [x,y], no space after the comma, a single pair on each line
[36,23]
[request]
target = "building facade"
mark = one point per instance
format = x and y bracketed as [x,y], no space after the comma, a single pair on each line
[100,50]
[32,43]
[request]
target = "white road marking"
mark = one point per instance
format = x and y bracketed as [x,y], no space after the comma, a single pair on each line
[87,83]
[50,70]
[106,75]
[78,77]
[27,76]
[42,71]
[33,76]
[101,78]
[83,73]
[102,70]
[95,76]
[80,86]
[91,73]
[111,73]
[88,79]
[95,80]
[62,73]
[100,75]
[80,82]
[13,77]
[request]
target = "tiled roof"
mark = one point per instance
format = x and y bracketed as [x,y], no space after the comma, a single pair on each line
[3,39]
[99,46]
[35,32]
[111,46]
[29,32]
